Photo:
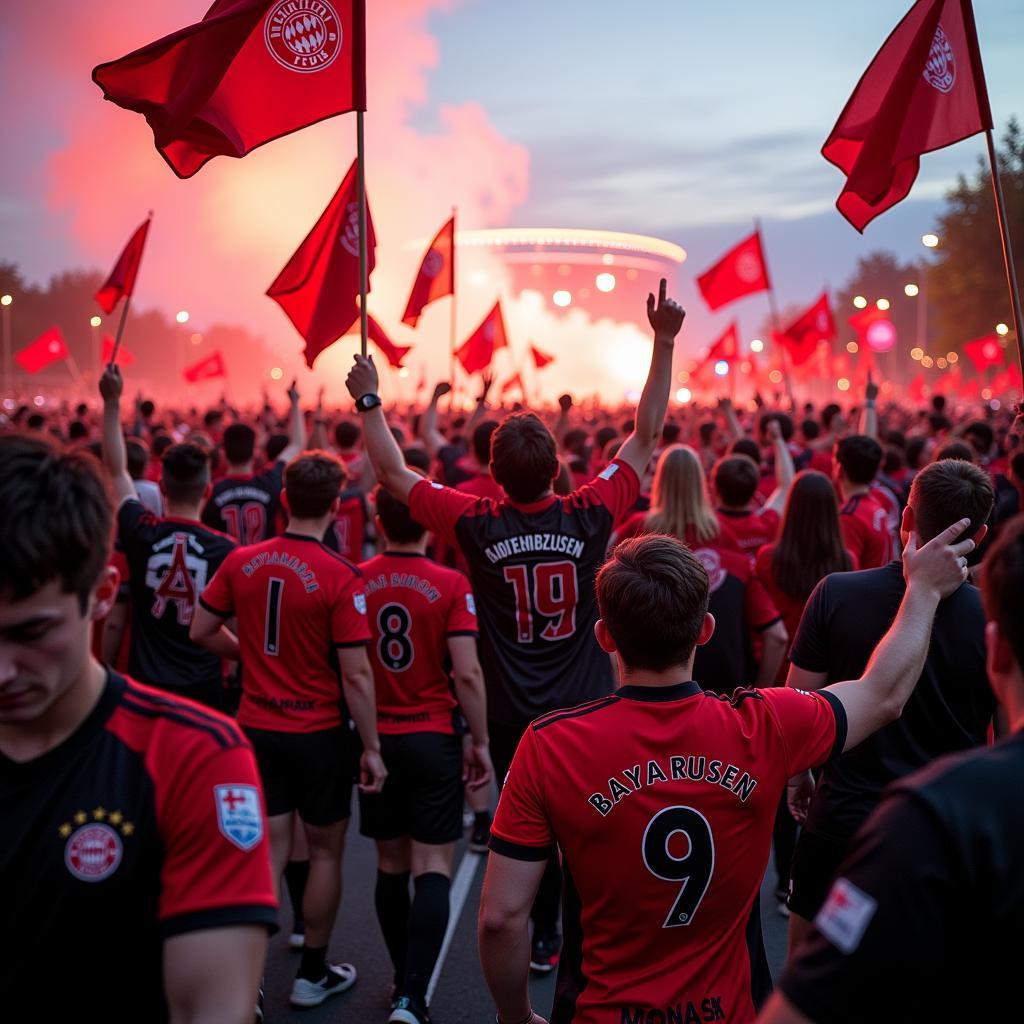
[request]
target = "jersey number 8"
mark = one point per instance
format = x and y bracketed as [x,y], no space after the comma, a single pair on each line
[694,868]
[394,648]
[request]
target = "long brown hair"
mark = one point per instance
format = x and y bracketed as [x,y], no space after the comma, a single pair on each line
[810,544]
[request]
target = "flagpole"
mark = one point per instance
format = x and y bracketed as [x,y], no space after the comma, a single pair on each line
[773,310]
[361,178]
[453,328]
[120,329]
[1004,235]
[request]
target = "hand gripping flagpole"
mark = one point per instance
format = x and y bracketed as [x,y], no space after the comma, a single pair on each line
[124,318]
[361,178]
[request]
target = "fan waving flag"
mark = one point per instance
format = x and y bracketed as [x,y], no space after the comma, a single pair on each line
[741,271]
[393,353]
[48,348]
[249,72]
[815,325]
[477,350]
[436,275]
[122,278]
[540,359]
[319,287]
[924,90]
[124,357]
[206,369]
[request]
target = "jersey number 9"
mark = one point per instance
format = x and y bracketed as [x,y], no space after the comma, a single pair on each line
[693,869]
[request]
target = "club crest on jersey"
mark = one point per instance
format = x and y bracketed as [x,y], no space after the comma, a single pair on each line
[712,562]
[359,600]
[845,917]
[93,852]
[940,67]
[303,35]
[239,815]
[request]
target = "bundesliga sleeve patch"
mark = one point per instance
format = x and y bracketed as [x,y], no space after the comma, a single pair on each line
[845,917]
[609,471]
[359,600]
[239,815]
[470,604]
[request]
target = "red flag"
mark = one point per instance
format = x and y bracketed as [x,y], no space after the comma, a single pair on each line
[925,89]
[122,278]
[48,348]
[863,319]
[984,352]
[392,352]
[741,271]
[124,357]
[515,381]
[436,276]
[249,72]
[727,347]
[206,369]
[319,286]
[915,392]
[477,350]
[950,382]
[540,359]
[815,325]
[970,388]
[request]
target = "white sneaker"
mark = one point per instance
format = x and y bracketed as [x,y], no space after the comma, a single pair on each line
[339,978]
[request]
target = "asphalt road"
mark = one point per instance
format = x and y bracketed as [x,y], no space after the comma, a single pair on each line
[461,995]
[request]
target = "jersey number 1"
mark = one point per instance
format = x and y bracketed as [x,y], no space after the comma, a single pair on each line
[555,593]
[693,869]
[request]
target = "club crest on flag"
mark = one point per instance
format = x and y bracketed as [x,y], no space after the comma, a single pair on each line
[940,68]
[349,240]
[432,263]
[239,815]
[303,35]
[748,267]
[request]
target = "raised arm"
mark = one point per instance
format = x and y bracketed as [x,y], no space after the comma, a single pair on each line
[666,318]
[432,438]
[784,468]
[486,383]
[869,414]
[297,431]
[736,431]
[115,457]
[318,438]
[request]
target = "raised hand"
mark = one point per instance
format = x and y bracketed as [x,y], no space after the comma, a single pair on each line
[440,390]
[941,564]
[565,402]
[486,383]
[362,378]
[111,384]
[665,318]
[293,392]
[772,431]
[871,392]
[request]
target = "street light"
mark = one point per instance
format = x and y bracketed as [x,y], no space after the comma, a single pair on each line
[757,345]
[181,316]
[882,304]
[1002,330]
[6,300]
[859,301]
[930,241]
[910,290]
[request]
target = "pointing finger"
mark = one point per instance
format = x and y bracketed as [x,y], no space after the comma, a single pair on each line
[951,533]
[662,292]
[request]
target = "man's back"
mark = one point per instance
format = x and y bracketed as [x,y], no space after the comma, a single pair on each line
[245,506]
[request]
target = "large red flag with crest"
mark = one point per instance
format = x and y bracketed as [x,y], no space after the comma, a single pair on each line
[815,325]
[436,276]
[48,348]
[925,89]
[477,350]
[206,369]
[121,281]
[249,72]
[984,352]
[741,271]
[319,287]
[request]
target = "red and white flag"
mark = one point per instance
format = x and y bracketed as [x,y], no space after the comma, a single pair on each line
[206,369]
[436,276]
[477,351]
[741,271]
[48,348]
[121,281]
[802,337]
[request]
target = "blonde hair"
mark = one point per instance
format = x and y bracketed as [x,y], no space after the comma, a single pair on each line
[679,498]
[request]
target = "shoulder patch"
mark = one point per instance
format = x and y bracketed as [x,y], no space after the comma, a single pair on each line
[470,604]
[609,471]
[239,814]
[359,600]
[845,917]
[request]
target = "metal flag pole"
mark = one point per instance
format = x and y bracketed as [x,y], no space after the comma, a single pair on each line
[453,327]
[361,178]
[124,315]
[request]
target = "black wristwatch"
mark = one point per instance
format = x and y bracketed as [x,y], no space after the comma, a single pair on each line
[367,402]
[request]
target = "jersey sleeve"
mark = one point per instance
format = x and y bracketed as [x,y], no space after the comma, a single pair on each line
[132,519]
[812,725]
[350,626]
[439,508]
[810,647]
[216,868]
[616,487]
[521,829]
[897,903]
[759,608]
[218,595]
[462,612]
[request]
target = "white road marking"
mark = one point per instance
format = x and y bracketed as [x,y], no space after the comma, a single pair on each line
[461,885]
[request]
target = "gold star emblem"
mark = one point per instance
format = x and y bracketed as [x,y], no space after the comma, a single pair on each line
[116,818]
[99,814]
[81,817]
[127,828]
[64,830]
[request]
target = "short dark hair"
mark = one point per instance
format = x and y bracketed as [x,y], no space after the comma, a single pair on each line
[147,408]
[915,451]
[811,429]
[1002,585]
[346,434]
[161,442]
[56,518]
[707,431]
[35,421]
[785,424]
[955,450]
[136,456]
[938,402]
[312,481]
[746,446]
[77,430]
[653,595]
[983,433]
[670,431]
[736,478]
[524,459]
[947,491]
[396,520]
[239,443]
[186,472]
[575,441]
[416,458]
[602,436]
[859,456]
[482,434]
[829,413]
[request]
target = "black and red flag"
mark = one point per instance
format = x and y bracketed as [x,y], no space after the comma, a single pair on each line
[436,276]
[121,281]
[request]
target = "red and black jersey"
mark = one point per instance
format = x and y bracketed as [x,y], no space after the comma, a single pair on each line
[662,801]
[170,562]
[147,822]
[752,530]
[865,526]
[347,534]
[533,568]
[295,603]
[413,606]
[246,507]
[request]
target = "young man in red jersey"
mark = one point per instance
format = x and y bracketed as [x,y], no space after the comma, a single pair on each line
[301,616]
[864,522]
[132,820]
[420,613]
[662,799]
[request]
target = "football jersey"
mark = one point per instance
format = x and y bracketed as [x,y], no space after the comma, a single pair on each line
[147,822]
[246,506]
[533,567]
[413,606]
[662,801]
[752,530]
[347,534]
[170,562]
[865,526]
[296,602]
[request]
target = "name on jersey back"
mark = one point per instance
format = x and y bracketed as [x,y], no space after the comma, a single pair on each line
[526,543]
[287,561]
[403,579]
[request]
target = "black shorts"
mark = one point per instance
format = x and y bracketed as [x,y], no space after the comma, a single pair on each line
[815,862]
[422,795]
[308,772]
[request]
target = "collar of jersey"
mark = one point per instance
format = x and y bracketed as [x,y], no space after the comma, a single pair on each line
[660,694]
[402,554]
[532,506]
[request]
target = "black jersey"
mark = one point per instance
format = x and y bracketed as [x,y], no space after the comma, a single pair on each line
[246,507]
[146,822]
[533,568]
[925,918]
[170,561]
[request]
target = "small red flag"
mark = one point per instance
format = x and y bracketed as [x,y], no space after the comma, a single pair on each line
[515,381]
[727,347]
[319,287]
[924,90]
[741,271]
[392,352]
[540,359]
[124,357]
[477,350]
[815,325]
[436,276]
[48,348]
[206,369]
[916,392]
[984,352]
[122,278]
[251,71]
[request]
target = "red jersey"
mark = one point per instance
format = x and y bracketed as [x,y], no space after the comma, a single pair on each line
[865,526]
[637,524]
[752,530]
[295,602]
[886,496]
[347,534]
[482,485]
[413,606]
[662,801]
